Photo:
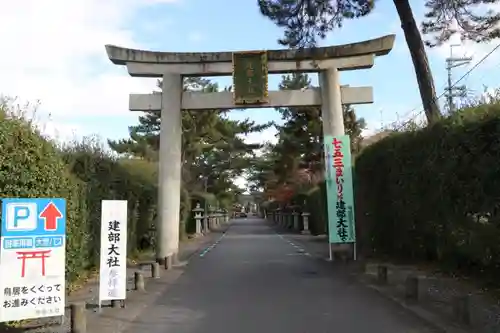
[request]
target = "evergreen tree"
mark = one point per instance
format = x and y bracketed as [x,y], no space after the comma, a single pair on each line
[474,20]
[213,150]
[300,142]
[302,132]
[307,20]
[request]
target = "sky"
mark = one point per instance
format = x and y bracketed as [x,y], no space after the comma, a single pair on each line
[54,58]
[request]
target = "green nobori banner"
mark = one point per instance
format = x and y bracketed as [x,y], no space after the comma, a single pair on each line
[339,189]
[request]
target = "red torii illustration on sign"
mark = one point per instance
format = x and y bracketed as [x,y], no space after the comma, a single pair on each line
[33,255]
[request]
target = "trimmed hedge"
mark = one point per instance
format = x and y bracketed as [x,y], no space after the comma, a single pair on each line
[434,193]
[109,178]
[430,194]
[32,166]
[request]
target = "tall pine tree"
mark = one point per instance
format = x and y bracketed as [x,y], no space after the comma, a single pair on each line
[305,21]
[300,142]
[213,149]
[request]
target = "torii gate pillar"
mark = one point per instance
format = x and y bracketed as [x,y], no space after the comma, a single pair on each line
[331,108]
[170,169]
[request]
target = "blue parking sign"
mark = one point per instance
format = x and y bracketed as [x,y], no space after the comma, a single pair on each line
[30,217]
[32,256]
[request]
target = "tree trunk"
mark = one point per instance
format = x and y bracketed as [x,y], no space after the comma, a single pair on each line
[420,61]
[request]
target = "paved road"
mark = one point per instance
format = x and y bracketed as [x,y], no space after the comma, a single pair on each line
[254,281]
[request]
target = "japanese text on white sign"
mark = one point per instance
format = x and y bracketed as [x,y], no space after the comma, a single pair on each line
[113,265]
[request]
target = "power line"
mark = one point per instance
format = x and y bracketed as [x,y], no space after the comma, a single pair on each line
[475,66]
[450,87]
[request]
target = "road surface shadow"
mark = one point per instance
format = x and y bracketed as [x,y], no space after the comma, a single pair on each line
[4,329]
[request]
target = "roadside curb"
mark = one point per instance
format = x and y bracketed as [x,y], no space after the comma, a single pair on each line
[426,316]
[120,321]
[210,241]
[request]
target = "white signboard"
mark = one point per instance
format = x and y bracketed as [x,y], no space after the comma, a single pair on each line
[113,268]
[32,258]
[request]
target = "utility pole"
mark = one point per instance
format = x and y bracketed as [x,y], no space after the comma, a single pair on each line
[454,91]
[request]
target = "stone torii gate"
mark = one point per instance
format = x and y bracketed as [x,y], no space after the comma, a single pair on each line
[250,72]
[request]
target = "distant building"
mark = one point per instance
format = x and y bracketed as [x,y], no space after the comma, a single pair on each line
[247,201]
